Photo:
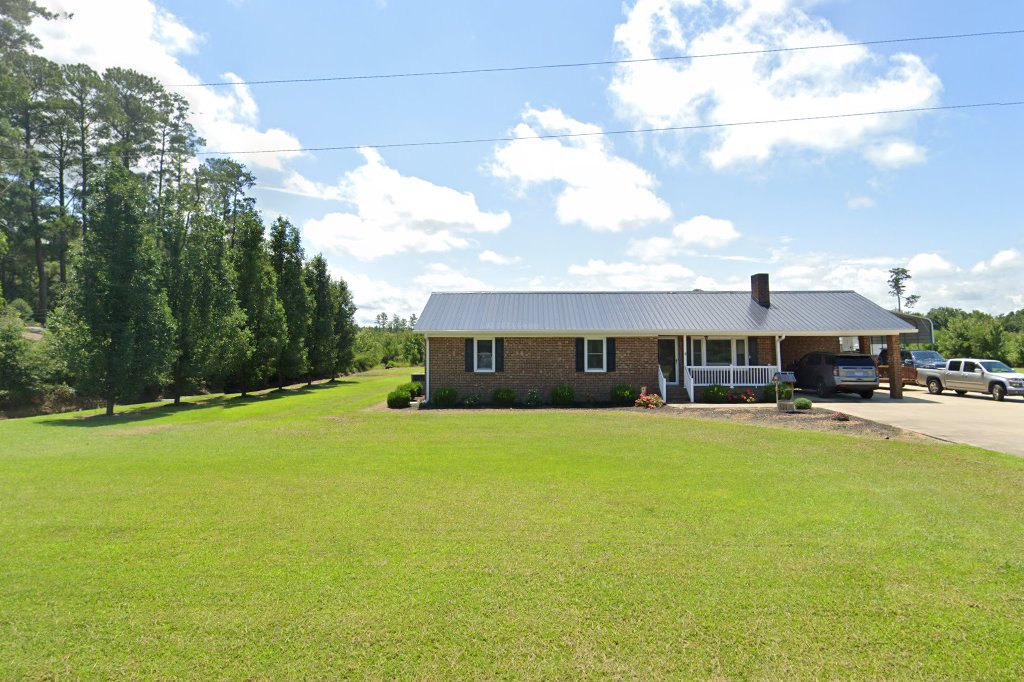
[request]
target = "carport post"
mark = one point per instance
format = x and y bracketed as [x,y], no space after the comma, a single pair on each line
[895,367]
[864,344]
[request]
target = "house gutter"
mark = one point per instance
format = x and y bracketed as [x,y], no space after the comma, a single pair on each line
[778,350]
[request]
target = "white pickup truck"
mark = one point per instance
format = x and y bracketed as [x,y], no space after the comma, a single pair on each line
[963,375]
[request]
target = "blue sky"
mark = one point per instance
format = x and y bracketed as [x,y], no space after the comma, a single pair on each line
[830,204]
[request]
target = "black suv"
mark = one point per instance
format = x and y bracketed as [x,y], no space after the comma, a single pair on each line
[927,359]
[830,373]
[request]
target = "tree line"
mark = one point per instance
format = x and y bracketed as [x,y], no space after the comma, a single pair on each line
[975,334]
[151,272]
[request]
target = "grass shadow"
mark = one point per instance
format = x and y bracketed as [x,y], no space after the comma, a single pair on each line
[132,415]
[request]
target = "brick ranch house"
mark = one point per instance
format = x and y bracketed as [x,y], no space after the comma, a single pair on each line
[673,342]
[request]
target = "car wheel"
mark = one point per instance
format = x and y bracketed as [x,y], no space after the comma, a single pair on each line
[934,386]
[998,392]
[823,391]
[866,394]
[959,392]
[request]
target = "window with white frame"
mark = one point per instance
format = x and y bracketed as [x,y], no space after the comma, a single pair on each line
[595,355]
[719,351]
[483,355]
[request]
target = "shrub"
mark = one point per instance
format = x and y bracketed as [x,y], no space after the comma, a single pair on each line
[768,392]
[716,393]
[623,394]
[563,396]
[802,404]
[398,399]
[471,400]
[364,362]
[650,401]
[22,309]
[444,397]
[413,388]
[503,397]
[840,417]
[533,398]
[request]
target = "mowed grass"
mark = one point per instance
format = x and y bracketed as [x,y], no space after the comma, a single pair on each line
[309,535]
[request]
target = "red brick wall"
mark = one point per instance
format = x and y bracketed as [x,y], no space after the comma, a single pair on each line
[541,364]
[765,350]
[795,347]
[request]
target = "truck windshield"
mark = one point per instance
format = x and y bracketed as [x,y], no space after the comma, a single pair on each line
[853,361]
[927,356]
[996,366]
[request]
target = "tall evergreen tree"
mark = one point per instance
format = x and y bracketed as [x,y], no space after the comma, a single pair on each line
[211,340]
[345,329]
[115,329]
[286,257]
[320,338]
[257,297]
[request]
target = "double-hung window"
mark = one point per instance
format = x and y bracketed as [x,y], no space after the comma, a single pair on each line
[596,356]
[483,355]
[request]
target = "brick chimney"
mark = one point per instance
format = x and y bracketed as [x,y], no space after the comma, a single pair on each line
[759,290]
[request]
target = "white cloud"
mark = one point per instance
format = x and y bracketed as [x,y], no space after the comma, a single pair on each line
[939,281]
[394,213]
[928,263]
[441,277]
[896,154]
[860,203]
[628,276]
[600,190]
[375,296]
[759,87]
[489,256]
[1006,259]
[698,232]
[139,35]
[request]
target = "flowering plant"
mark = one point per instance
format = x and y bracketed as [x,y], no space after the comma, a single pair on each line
[747,396]
[650,401]
[840,417]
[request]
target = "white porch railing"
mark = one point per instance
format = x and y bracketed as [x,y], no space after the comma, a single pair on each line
[662,385]
[754,375]
[688,383]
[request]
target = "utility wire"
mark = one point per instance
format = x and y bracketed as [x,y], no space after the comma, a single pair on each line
[606,62]
[551,136]
[598,133]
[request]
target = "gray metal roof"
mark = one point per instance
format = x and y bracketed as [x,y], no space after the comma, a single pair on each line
[842,313]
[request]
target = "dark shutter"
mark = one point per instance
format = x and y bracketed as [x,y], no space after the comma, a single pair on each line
[609,346]
[469,355]
[499,355]
[580,355]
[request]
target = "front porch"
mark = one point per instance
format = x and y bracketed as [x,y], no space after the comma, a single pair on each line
[689,363]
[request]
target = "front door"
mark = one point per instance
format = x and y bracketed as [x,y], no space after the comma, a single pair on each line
[668,358]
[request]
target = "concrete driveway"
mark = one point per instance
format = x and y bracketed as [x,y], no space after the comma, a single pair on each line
[974,419]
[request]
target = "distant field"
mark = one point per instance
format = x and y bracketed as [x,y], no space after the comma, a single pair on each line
[313,535]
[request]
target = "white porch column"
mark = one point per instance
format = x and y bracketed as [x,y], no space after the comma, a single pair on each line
[778,352]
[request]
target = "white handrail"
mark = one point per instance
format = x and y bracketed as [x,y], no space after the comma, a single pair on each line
[688,384]
[662,385]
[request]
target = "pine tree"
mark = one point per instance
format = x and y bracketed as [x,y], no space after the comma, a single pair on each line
[211,340]
[320,338]
[115,329]
[286,257]
[344,329]
[256,289]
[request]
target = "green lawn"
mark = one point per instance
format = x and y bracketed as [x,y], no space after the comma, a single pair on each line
[306,536]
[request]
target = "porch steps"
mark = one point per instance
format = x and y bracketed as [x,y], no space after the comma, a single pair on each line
[677,394]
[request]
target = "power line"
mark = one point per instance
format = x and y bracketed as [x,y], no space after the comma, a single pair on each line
[551,136]
[598,133]
[605,62]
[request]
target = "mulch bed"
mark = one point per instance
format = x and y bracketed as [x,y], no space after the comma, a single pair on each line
[814,419]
